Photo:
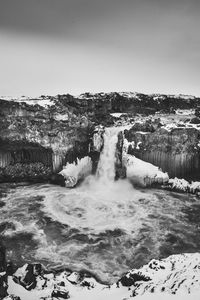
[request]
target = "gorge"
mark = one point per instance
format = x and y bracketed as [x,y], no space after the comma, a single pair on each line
[117,151]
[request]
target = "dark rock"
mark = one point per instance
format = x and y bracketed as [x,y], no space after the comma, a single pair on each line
[119,168]
[29,279]
[3,274]
[195,120]
[2,259]
[60,294]
[130,279]
[2,204]
[57,179]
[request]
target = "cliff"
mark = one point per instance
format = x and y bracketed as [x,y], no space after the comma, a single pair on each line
[40,135]
[175,151]
[43,137]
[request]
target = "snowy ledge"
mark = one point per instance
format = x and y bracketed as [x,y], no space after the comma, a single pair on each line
[176,277]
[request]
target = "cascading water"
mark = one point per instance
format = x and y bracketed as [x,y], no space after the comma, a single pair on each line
[106,165]
[103,226]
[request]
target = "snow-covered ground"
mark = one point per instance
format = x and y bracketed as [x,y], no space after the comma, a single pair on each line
[182,185]
[42,101]
[176,277]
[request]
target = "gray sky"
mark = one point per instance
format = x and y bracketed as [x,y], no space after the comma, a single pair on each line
[74,46]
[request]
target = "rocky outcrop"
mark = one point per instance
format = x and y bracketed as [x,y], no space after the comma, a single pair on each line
[161,279]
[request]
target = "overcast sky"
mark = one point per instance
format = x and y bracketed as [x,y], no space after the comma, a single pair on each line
[74,46]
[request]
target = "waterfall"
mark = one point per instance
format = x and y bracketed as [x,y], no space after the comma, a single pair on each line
[106,166]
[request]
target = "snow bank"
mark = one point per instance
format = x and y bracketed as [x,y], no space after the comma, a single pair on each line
[140,172]
[75,172]
[185,112]
[183,185]
[143,173]
[176,277]
[42,101]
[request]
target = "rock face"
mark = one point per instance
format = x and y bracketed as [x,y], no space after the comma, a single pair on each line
[171,278]
[36,141]
[3,273]
[175,151]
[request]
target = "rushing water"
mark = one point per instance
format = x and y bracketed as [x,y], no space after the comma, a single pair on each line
[102,226]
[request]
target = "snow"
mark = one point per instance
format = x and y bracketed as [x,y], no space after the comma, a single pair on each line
[74,172]
[183,185]
[129,94]
[176,278]
[61,117]
[179,184]
[117,115]
[138,145]
[139,171]
[42,101]
[185,112]
[143,173]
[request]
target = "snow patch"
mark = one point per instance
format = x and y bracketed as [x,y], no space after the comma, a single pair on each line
[75,172]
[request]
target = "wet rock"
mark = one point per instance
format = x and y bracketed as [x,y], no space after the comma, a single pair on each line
[3,273]
[57,179]
[195,120]
[2,204]
[2,259]
[119,167]
[58,293]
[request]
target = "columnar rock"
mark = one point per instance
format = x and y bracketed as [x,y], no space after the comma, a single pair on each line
[176,151]
[44,137]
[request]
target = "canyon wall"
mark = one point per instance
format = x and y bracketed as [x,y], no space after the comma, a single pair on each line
[46,137]
[175,151]
[43,138]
